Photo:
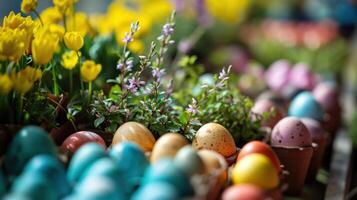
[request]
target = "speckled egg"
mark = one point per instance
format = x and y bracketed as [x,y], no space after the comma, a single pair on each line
[263,107]
[135,132]
[83,159]
[214,163]
[28,142]
[215,137]
[277,76]
[305,105]
[156,191]
[34,186]
[130,160]
[188,160]
[53,170]
[243,192]
[166,171]
[291,132]
[98,188]
[167,146]
[76,140]
[302,77]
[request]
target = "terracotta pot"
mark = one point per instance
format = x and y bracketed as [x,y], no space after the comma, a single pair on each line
[296,161]
[316,160]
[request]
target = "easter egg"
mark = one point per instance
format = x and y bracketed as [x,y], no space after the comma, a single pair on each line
[327,95]
[188,160]
[28,142]
[155,191]
[167,146]
[262,148]
[83,159]
[76,140]
[130,160]
[97,188]
[166,171]
[277,76]
[34,186]
[135,132]
[290,132]
[263,107]
[316,131]
[256,169]
[243,192]
[302,77]
[53,170]
[215,137]
[305,105]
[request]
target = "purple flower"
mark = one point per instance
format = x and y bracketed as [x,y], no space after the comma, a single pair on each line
[167,29]
[134,84]
[128,38]
[120,65]
[129,65]
[193,107]
[158,73]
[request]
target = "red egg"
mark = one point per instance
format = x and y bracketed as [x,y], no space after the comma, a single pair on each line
[262,148]
[267,106]
[76,140]
[243,192]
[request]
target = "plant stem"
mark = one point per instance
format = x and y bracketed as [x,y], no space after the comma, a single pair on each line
[38,16]
[55,85]
[64,21]
[89,91]
[70,82]
[61,107]
[21,104]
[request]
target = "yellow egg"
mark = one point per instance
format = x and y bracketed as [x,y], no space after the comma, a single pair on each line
[255,169]
[136,133]
[167,146]
[215,137]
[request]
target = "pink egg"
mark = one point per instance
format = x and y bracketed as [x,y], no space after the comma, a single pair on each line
[302,77]
[266,106]
[327,95]
[76,140]
[243,192]
[291,132]
[315,129]
[277,76]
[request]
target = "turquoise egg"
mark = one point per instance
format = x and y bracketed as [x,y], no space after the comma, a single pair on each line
[83,159]
[34,186]
[107,168]
[2,184]
[97,188]
[28,142]
[15,197]
[305,105]
[166,171]
[155,191]
[53,170]
[188,160]
[130,160]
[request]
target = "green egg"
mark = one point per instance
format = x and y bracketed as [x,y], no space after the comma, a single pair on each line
[189,161]
[28,142]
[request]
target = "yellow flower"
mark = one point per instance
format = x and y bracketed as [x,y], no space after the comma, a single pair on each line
[28,6]
[69,60]
[64,5]
[23,80]
[14,21]
[90,70]
[12,43]
[136,46]
[44,45]
[5,84]
[79,22]
[158,10]
[73,40]
[58,30]
[51,15]
[227,10]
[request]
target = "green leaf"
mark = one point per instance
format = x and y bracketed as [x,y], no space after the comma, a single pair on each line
[99,121]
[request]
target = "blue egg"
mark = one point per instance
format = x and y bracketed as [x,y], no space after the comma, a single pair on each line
[15,197]
[97,188]
[166,171]
[155,191]
[28,142]
[305,105]
[34,186]
[53,170]
[130,160]
[2,185]
[83,159]
[105,167]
